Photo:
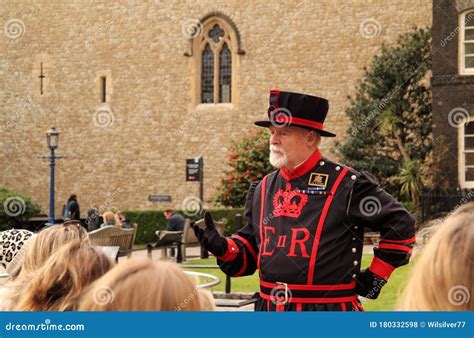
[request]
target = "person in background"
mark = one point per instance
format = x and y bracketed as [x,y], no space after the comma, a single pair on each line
[443,276]
[73,209]
[93,219]
[109,219]
[140,284]
[60,282]
[121,220]
[175,221]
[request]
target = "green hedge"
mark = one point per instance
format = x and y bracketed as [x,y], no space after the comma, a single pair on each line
[151,220]
[15,209]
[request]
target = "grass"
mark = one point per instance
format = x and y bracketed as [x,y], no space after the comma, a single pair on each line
[385,302]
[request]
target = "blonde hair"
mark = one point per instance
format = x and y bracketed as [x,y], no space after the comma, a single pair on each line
[60,282]
[108,216]
[206,300]
[140,284]
[48,241]
[443,277]
[40,248]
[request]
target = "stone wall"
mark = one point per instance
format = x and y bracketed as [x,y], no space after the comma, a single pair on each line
[117,154]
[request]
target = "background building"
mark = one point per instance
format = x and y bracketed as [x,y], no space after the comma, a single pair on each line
[136,88]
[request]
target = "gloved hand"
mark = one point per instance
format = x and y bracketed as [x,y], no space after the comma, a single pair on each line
[369,285]
[209,237]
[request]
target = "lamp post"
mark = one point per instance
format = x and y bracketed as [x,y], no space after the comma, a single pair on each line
[52,137]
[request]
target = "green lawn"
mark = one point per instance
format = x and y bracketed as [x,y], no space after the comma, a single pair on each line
[385,302]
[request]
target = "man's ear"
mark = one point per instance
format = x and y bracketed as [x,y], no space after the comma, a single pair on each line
[313,138]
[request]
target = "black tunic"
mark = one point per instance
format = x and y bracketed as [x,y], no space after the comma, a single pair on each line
[305,236]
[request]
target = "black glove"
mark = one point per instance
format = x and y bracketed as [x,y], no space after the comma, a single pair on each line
[209,237]
[369,285]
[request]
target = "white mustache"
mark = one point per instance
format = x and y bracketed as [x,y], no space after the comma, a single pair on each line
[275,149]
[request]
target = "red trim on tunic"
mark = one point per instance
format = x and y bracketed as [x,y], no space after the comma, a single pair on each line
[247,245]
[407,241]
[319,228]
[381,268]
[303,168]
[320,300]
[304,287]
[395,247]
[262,209]
[231,253]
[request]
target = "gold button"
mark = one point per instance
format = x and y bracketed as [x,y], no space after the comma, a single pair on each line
[354,276]
[356,262]
[353,238]
[356,227]
[354,250]
[233,249]
[338,168]
[321,163]
[353,177]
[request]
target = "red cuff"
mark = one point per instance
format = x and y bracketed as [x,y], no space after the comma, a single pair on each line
[381,268]
[232,251]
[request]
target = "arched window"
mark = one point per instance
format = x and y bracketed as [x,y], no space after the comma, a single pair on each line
[215,51]
[466,43]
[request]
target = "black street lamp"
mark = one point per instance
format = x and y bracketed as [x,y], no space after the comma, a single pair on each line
[52,137]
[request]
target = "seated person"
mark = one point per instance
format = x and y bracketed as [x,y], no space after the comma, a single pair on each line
[175,223]
[175,220]
[121,220]
[109,219]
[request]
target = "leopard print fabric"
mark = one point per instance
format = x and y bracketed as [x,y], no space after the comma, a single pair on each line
[11,242]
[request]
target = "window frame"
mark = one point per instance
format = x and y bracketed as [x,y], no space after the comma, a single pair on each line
[462,52]
[462,156]
[199,43]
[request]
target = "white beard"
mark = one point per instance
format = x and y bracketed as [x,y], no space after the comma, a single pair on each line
[278,157]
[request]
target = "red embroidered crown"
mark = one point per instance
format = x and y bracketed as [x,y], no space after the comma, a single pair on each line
[288,203]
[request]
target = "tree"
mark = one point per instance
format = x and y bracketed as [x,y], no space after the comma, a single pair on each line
[248,162]
[391,133]
[16,209]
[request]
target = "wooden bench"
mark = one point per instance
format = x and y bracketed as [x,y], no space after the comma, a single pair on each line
[190,239]
[115,236]
[166,240]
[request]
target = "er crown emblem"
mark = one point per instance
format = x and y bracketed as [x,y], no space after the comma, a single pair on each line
[289,203]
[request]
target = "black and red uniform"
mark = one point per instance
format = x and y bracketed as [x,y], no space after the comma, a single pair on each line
[305,236]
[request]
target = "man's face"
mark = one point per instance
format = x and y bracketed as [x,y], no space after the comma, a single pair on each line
[167,214]
[286,145]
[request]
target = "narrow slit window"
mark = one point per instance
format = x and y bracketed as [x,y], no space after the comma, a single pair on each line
[103,89]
